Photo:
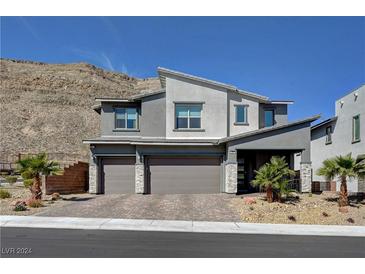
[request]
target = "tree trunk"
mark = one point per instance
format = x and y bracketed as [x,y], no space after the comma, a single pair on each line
[343,200]
[269,194]
[36,188]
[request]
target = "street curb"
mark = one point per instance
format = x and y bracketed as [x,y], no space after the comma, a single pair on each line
[179,226]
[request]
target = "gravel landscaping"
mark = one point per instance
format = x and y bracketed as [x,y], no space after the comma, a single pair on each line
[321,209]
[302,209]
[21,193]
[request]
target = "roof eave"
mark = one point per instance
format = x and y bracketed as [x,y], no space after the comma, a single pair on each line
[166,71]
[264,130]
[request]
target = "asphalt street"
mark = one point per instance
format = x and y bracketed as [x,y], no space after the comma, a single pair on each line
[71,243]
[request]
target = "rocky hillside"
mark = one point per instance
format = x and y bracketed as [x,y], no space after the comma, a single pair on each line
[48,107]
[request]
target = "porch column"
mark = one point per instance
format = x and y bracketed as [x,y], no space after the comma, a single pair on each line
[139,173]
[305,172]
[231,171]
[93,175]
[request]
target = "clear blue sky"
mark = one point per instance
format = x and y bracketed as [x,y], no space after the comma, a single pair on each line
[312,60]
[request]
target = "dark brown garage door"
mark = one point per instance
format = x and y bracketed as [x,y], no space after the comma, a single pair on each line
[118,175]
[181,175]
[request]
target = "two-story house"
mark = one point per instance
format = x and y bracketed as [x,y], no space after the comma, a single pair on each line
[193,136]
[342,134]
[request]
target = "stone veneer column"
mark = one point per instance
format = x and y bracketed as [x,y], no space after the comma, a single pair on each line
[139,181]
[231,178]
[306,177]
[231,171]
[93,176]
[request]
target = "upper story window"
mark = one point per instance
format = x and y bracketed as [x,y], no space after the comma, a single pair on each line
[188,116]
[356,128]
[241,114]
[126,118]
[329,135]
[269,117]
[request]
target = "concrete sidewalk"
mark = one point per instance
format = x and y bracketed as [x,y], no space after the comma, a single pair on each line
[179,226]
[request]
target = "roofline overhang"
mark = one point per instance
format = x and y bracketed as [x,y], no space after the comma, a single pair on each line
[147,143]
[324,122]
[281,102]
[269,129]
[164,71]
[133,98]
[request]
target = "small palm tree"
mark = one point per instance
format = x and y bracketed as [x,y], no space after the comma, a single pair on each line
[273,177]
[36,166]
[344,167]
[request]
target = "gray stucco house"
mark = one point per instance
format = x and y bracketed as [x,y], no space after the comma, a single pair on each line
[193,136]
[339,135]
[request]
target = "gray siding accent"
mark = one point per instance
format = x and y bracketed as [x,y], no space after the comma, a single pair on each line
[108,119]
[295,138]
[280,110]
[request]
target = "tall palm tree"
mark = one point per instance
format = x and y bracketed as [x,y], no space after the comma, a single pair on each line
[273,177]
[343,167]
[34,167]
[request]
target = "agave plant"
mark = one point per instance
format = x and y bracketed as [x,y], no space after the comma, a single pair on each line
[36,166]
[343,167]
[273,176]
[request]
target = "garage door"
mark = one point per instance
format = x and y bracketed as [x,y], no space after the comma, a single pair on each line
[184,175]
[118,175]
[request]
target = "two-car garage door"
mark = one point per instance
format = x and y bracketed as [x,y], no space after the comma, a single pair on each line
[164,175]
[183,175]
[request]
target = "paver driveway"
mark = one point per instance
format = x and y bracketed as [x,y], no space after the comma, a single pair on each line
[202,207]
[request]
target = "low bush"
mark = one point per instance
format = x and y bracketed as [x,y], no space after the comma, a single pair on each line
[11,179]
[28,183]
[20,207]
[4,194]
[34,203]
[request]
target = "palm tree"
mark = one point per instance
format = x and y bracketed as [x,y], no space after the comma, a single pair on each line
[343,167]
[273,177]
[36,166]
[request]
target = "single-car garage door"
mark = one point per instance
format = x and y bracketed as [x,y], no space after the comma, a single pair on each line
[180,175]
[118,175]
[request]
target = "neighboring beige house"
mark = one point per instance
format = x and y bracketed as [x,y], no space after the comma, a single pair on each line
[193,136]
[342,134]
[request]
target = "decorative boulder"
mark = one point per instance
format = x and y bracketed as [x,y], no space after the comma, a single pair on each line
[249,200]
[343,209]
[55,196]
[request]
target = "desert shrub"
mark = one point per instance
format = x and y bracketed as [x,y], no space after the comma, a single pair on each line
[28,183]
[4,194]
[11,179]
[34,203]
[20,207]
[292,218]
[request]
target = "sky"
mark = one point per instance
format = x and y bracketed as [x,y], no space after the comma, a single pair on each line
[311,60]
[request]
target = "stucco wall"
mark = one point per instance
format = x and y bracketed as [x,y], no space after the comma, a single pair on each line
[214,109]
[252,113]
[153,119]
[342,134]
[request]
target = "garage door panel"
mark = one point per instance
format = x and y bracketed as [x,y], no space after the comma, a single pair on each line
[119,175]
[184,175]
